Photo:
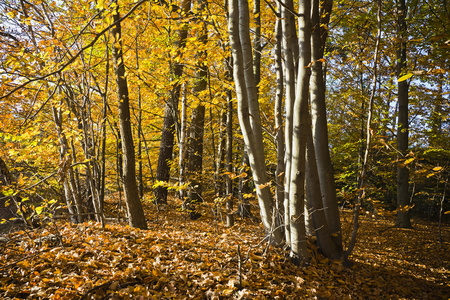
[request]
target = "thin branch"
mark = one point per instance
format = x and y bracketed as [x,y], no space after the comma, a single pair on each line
[72,59]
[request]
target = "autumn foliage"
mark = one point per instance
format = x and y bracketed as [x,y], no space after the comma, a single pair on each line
[181,259]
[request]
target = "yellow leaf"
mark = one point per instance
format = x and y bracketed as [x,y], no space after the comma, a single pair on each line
[437,169]
[447,212]
[409,160]
[227,292]
[405,77]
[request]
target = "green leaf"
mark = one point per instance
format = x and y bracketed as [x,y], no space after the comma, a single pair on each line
[405,77]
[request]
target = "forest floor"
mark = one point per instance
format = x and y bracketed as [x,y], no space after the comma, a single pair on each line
[177,258]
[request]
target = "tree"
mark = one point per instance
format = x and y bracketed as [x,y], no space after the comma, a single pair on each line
[171,111]
[299,253]
[248,108]
[194,164]
[403,199]
[289,49]
[136,216]
[320,20]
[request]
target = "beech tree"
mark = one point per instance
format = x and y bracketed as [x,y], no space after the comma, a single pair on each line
[136,216]
[171,111]
[298,130]
[248,109]
[403,199]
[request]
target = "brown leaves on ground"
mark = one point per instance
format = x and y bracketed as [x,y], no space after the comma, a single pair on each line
[182,259]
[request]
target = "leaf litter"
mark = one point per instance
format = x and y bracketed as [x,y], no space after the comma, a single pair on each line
[177,258]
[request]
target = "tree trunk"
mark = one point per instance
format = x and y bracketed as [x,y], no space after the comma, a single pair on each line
[165,154]
[244,186]
[194,155]
[182,146]
[194,166]
[170,116]
[279,132]
[319,119]
[136,216]
[288,46]
[435,137]
[403,215]
[299,252]
[238,24]
[221,151]
[317,211]
[229,158]
[257,46]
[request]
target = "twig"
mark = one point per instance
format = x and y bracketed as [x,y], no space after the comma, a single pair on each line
[239,267]
[440,213]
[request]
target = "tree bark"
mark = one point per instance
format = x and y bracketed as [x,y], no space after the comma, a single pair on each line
[221,151]
[248,108]
[229,157]
[319,118]
[278,112]
[194,166]
[288,46]
[404,214]
[135,211]
[194,155]
[66,176]
[170,115]
[299,252]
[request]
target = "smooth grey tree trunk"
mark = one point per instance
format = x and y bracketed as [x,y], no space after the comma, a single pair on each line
[279,129]
[288,46]
[319,118]
[299,252]
[248,109]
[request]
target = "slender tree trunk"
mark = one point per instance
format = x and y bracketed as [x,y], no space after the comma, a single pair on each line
[66,176]
[229,157]
[140,134]
[182,145]
[365,164]
[257,46]
[317,212]
[165,153]
[194,155]
[220,161]
[170,114]
[278,112]
[245,173]
[288,37]
[436,117]
[299,253]
[238,24]
[403,215]
[194,166]
[136,216]
[319,118]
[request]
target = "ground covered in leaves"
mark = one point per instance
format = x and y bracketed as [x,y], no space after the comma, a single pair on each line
[182,259]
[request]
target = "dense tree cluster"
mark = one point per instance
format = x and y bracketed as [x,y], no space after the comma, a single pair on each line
[303,106]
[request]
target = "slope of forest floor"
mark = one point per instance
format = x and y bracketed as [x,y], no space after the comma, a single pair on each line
[177,258]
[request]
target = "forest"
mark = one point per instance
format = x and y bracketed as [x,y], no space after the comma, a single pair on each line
[238,149]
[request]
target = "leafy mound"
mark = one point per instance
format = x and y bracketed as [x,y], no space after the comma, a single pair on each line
[182,259]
